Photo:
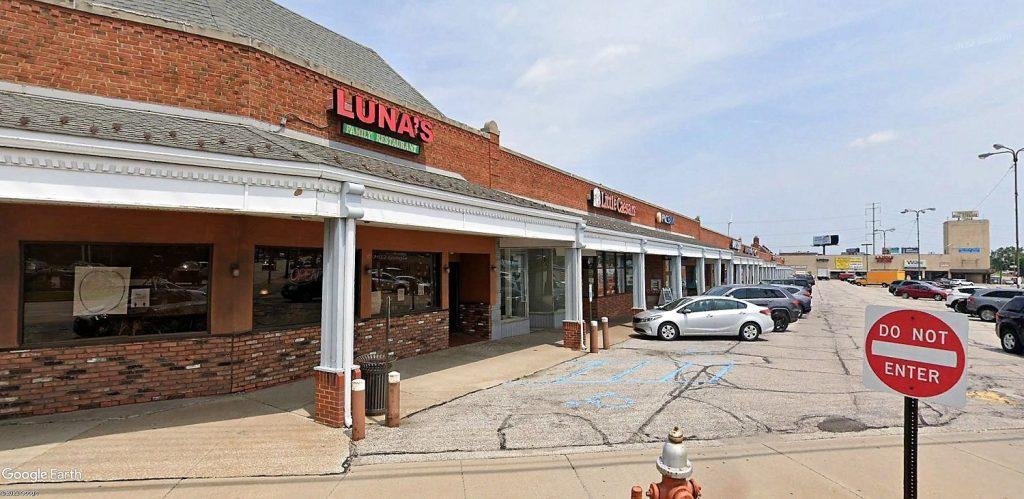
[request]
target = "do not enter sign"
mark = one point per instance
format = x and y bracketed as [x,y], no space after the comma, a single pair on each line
[918,354]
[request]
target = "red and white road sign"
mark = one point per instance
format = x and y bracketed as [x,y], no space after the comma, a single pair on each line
[916,353]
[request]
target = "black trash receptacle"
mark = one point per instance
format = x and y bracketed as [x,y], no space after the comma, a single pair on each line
[375,368]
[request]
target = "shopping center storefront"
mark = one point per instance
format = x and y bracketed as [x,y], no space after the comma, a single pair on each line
[210,236]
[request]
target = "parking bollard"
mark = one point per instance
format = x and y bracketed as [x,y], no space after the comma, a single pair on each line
[604,333]
[675,468]
[593,336]
[636,493]
[358,409]
[393,417]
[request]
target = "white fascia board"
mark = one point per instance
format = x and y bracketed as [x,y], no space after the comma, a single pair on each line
[104,148]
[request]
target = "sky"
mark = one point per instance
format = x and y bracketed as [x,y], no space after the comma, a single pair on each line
[788,118]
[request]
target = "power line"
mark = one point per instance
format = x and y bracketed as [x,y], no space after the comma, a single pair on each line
[993,188]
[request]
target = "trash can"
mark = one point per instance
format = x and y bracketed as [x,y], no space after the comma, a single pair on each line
[375,368]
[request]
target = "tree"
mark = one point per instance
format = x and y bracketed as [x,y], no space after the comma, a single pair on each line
[1002,258]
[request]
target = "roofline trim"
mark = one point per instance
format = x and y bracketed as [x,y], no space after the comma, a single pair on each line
[105,148]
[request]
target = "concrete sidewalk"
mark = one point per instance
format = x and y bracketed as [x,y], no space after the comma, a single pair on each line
[263,433]
[951,465]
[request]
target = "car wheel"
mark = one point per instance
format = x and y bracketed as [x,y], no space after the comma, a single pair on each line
[960,307]
[750,331]
[905,296]
[987,314]
[1011,342]
[781,320]
[668,331]
[937,297]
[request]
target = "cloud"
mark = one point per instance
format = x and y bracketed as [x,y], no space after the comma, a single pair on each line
[874,139]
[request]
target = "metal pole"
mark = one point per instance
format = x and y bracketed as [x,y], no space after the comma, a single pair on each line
[1016,222]
[920,276]
[909,448]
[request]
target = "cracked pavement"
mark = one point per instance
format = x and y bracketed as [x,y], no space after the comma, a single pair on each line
[805,381]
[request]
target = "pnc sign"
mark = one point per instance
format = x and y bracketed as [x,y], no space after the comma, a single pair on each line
[917,354]
[601,199]
[369,119]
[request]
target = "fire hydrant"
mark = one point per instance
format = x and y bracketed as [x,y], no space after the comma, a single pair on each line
[675,469]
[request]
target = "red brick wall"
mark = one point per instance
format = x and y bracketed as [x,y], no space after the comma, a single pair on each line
[48,380]
[617,308]
[410,335]
[475,320]
[48,46]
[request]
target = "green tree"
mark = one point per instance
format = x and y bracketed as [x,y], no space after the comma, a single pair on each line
[1002,258]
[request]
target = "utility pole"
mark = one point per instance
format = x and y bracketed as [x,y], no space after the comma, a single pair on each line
[874,207]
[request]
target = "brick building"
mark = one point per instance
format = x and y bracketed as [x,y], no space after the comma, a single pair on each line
[211,197]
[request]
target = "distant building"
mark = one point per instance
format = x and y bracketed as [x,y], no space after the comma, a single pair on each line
[966,255]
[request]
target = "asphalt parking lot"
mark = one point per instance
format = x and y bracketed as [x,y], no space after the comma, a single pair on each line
[805,381]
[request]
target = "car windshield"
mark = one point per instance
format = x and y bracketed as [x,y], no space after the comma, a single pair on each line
[717,291]
[674,304]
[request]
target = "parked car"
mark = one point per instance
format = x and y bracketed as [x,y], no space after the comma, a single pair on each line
[962,282]
[845,275]
[695,315]
[785,308]
[1010,325]
[922,290]
[805,275]
[957,298]
[987,302]
[804,283]
[896,285]
[802,295]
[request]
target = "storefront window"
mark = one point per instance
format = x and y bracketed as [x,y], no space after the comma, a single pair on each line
[404,282]
[74,291]
[287,285]
[513,284]
[558,276]
[611,273]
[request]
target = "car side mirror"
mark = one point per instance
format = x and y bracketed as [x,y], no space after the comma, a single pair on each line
[685,310]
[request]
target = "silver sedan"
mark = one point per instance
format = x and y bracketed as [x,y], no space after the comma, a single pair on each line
[701,315]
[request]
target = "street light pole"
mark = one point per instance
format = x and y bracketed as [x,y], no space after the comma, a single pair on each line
[917,217]
[1001,149]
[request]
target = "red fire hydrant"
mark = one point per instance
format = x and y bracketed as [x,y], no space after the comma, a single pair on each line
[675,469]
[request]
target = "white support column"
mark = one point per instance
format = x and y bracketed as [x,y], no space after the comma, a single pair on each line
[676,275]
[701,270]
[730,272]
[572,325]
[337,338]
[718,269]
[640,278]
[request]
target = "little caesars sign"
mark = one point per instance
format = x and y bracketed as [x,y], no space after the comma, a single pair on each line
[601,199]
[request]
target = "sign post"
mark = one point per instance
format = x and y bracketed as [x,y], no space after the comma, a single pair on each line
[920,355]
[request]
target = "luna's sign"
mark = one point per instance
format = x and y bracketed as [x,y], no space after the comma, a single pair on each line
[389,126]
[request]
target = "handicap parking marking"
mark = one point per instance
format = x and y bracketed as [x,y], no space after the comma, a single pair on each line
[602,401]
[645,372]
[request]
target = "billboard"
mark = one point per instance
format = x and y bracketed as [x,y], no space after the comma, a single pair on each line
[849,263]
[829,240]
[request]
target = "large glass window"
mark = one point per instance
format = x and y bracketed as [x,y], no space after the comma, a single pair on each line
[404,281]
[513,284]
[612,273]
[72,291]
[287,285]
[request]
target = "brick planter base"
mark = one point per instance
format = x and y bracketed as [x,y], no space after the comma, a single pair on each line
[571,334]
[330,398]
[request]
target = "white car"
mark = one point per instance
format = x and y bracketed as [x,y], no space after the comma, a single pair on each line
[704,315]
[957,297]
